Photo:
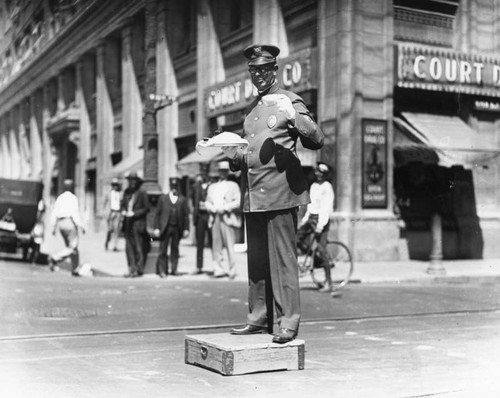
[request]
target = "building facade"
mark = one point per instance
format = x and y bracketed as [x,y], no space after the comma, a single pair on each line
[407,93]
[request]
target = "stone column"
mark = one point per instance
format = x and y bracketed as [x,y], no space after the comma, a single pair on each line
[104,126]
[6,161]
[61,105]
[35,139]
[131,98]
[48,157]
[24,141]
[210,65]
[269,26]
[354,34]
[16,169]
[167,118]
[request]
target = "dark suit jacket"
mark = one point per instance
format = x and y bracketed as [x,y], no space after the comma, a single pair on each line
[200,195]
[140,209]
[164,209]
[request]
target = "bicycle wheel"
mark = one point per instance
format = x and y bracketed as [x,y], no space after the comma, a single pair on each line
[342,264]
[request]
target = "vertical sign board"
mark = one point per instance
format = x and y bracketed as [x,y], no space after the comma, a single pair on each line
[374,164]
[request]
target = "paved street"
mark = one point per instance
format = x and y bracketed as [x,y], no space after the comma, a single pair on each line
[102,337]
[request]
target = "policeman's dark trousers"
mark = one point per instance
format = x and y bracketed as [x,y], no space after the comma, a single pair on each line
[202,230]
[134,248]
[273,269]
[171,236]
[69,232]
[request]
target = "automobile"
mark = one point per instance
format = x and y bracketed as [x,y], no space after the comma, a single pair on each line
[21,217]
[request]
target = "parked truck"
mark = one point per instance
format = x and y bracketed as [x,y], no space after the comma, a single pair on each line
[21,217]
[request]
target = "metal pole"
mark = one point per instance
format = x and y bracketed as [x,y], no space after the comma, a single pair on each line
[436,265]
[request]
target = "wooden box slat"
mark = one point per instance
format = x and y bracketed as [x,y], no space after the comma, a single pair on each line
[233,355]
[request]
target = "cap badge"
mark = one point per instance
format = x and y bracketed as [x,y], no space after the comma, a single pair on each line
[257,51]
[271,121]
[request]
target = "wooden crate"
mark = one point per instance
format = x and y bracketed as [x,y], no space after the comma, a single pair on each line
[234,355]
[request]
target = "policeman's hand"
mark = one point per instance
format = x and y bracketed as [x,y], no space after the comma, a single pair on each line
[156,232]
[230,151]
[284,104]
[185,234]
[129,214]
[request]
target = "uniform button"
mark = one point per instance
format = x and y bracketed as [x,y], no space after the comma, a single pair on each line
[252,135]
[249,169]
[260,102]
[256,118]
[262,190]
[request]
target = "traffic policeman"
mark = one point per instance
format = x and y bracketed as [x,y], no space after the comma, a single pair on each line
[273,186]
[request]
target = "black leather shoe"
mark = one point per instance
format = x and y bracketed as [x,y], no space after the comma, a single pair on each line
[284,336]
[249,329]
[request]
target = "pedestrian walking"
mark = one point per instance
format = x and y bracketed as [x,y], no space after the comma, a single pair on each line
[171,224]
[113,203]
[316,220]
[65,216]
[223,203]
[201,216]
[273,187]
[135,207]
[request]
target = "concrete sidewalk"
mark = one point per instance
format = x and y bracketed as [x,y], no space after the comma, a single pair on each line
[114,264]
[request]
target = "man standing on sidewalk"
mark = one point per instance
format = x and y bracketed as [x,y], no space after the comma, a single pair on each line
[223,202]
[171,224]
[135,207]
[66,217]
[201,216]
[113,202]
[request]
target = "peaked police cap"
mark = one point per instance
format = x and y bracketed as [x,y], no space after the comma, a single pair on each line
[261,54]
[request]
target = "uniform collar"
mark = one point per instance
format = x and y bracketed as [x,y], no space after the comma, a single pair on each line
[270,90]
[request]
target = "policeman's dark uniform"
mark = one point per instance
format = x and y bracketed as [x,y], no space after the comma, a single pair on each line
[273,186]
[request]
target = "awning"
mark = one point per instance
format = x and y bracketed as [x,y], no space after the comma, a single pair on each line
[445,140]
[133,162]
[190,164]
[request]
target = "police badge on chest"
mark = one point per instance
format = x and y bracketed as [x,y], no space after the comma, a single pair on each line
[271,121]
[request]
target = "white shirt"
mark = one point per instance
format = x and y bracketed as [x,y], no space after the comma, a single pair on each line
[173,197]
[223,196]
[66,205]
[322,197]
[115,200]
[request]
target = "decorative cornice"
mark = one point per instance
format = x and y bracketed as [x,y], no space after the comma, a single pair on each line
[81,35]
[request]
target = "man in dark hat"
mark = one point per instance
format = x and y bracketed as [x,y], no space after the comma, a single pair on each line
[200,215]
[316,219]
[113,204]
[135,207]
[171,224]
[66,217]
[274,186]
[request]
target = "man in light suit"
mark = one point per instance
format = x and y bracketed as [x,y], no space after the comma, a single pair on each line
[171,224]
[223,203]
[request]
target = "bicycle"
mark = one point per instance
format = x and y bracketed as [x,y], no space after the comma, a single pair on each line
[339,256]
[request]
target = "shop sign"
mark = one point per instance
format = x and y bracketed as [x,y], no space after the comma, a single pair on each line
[441,70]
[374,167]
[297,73]
[487,106]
